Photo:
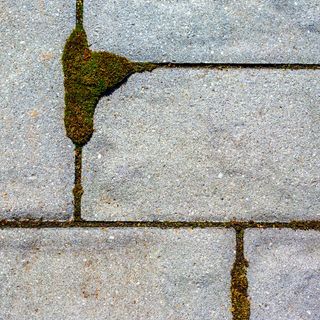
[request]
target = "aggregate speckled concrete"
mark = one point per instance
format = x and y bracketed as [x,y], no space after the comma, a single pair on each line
[283,274]
[116,274]
[36,158]
[206,145]
[255,31]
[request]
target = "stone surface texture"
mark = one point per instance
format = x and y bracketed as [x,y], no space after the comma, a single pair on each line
[36,159]
[115,274]
[256,31]
[206,145]
[284,274]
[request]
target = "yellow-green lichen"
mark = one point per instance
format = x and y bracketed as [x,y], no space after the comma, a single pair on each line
[87,76]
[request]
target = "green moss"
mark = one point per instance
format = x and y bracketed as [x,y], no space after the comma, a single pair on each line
[77,189]
[87,76]
[79,12]
[239,282]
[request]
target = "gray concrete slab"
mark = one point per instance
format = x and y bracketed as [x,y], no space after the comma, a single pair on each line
[284,274]
[115,274]
[206,145]
[256,31]
[36,159]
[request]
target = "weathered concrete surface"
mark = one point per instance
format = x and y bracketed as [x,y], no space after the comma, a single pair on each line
[36,159]
[284,274]
[206,145]
[260,31]
[115,274]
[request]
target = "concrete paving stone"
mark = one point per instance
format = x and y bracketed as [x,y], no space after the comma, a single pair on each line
[36,159]
[284,274]
[256,31]
[115,274]
[206,145]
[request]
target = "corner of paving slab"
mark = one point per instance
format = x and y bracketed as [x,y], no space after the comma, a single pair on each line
[284,273]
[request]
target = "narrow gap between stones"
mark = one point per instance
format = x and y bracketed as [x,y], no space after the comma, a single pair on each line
[221,66]
[79,12]
[34,223]
[240,304]
[77,189]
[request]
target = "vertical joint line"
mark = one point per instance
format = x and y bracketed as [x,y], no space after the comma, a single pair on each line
[77,190]
[79,13]
[239,281]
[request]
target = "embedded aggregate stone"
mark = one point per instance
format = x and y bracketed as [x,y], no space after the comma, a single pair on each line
[36,158]
[283,274]
[116,274]
[256,31]
[220,145]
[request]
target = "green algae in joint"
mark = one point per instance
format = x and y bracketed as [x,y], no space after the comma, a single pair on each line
[87,76]
[239,281]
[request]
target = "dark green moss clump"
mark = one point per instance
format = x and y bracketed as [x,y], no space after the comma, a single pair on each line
[239,282]
[87,76]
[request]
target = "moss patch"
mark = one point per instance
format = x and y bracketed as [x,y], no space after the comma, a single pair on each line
[239,282]
[87,76]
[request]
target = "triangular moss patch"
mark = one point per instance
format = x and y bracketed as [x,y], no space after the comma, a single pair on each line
[87,76]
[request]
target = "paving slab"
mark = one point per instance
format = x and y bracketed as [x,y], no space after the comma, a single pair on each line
[256,31]
[284,274]
[36,159]
[206,145]
[115,274]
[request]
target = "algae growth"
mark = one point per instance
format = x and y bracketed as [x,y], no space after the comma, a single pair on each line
[239,281]
[88,75]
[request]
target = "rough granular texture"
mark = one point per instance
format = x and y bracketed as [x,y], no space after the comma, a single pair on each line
[217,145]
[36,159]
[284,274]
[255,31]
[116,274]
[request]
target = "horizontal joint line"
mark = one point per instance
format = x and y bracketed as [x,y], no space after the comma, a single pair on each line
[298,225]
[285,66]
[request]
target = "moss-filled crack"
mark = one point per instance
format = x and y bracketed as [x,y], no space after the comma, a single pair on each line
[77,189]
[239,281]
[39,223]
[79,12]
[88,75]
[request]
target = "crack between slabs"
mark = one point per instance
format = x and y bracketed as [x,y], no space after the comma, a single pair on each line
[221,66]
[240,303]
[77,190]
[78,223]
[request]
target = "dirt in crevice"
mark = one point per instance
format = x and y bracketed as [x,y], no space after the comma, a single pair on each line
[40,223]
[77,190]
[79,12]
[239,281]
